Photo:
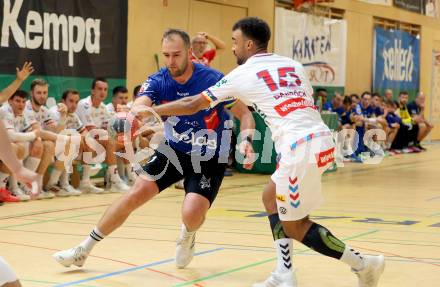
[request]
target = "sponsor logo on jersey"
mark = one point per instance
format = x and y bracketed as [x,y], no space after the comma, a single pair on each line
[190,138]
[281,198]
[291,105]
[325,157]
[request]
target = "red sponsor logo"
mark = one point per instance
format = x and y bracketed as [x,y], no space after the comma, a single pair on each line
[212,121]
[325,157]
[291,105]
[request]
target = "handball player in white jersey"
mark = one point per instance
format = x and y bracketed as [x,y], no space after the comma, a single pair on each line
[279,90]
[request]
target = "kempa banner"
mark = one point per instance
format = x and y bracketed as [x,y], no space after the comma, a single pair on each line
[318,43]
[69,38]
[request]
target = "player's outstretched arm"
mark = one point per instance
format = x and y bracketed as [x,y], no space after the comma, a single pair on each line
[182,107]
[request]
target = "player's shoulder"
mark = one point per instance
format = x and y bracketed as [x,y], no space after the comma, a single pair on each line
[84,102]
[206,70]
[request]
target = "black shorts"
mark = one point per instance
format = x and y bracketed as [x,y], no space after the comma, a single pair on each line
[201,177]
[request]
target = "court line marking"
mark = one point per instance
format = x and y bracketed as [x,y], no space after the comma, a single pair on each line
[104,258]
[49,220]
[115,273]
[259,263]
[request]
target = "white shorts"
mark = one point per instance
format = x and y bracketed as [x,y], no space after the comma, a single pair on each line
[298,174]
[6,273]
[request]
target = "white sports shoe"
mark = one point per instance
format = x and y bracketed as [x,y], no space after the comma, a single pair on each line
[185,248]
[287,279]
[76,256]
[119,186]
[70,190]
[18,192]
[88,187]
[370,274]
[44,194]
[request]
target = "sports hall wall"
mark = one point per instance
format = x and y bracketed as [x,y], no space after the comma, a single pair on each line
[148,19]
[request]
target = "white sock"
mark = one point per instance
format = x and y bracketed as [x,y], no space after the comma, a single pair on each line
[13,184]
[121,167]
[353,258]
[114,176]
[64,180]
[86,173]
[129,170]
[32,163]
[3,179]
[284,248]
[54,177]
[94,237]
[185,233]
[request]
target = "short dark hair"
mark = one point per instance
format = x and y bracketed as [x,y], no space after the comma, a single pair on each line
[391,103]
[67,92]
[403,93]
[38,82]
[119,89]
[182,34]
[255,29]
[376,95]
[354,96]
[98,79]
[321,90]
[136,90]
[20,93]
[365,93]
[347,100]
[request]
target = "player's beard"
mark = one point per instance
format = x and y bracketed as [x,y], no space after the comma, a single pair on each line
[180,70]
[240,59]
[38,103]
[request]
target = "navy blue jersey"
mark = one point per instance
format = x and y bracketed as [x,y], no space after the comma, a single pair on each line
[329,107]
[393,118]
[366,112]
[198,133]
[413,109]
[377,111]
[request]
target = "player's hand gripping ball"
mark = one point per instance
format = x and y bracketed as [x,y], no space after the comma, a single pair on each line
[123,127]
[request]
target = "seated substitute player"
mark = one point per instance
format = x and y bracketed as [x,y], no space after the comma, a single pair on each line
[302,140]
[69,100]
[196,149]
[22,137]
[94,115]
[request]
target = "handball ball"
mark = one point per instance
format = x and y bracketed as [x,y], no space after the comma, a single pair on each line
[123,123]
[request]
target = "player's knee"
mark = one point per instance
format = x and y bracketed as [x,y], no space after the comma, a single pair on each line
[48,146]
[12,284]
[194,215]
[19,150]
[36,149]
[296,229]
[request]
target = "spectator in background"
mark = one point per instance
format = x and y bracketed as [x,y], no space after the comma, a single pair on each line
[94,115]
[201,52]
[134,96]
[119,101]
[376,104]
[412,128]
[417,110]
[388,95]
[355,100]
[60,176]
[394,123]
[336,104]
[321,98]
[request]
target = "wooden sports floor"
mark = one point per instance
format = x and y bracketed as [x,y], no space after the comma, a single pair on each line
[392,208]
